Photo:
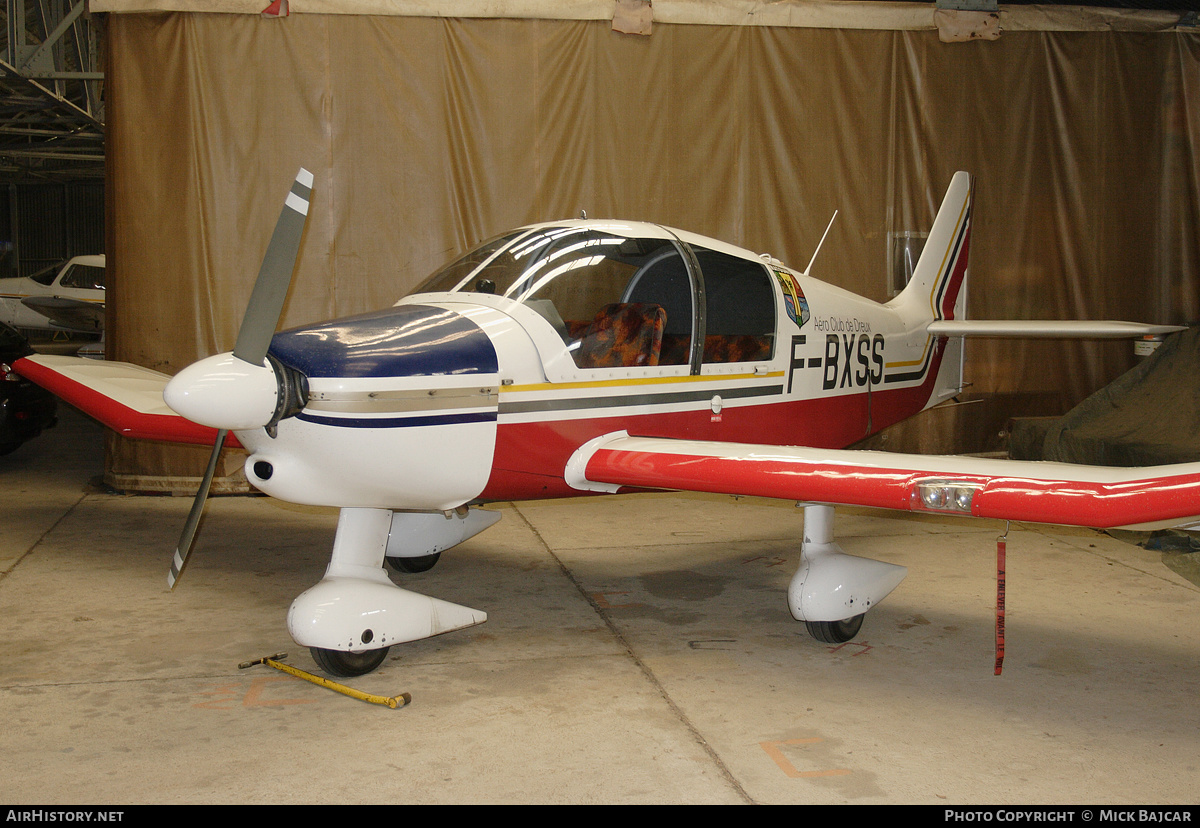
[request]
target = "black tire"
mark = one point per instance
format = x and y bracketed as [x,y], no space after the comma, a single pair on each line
[835,632]
[411,566]
[341,663]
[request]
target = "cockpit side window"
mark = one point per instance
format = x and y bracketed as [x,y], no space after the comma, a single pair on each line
[664,280]
[739,308]
[84,276]
[622,301]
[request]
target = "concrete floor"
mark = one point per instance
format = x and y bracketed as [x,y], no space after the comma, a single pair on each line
[638,650]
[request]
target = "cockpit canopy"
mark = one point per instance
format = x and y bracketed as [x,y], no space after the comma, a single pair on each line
[620,298]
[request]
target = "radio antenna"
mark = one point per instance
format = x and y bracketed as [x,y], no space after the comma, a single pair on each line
[821,242]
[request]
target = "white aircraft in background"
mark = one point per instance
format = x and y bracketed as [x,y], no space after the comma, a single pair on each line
[64,297]
[599,356]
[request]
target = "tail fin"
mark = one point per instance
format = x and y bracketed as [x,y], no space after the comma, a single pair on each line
[939,279]
[938,288]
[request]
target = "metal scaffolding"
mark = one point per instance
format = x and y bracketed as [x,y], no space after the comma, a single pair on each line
[51,91]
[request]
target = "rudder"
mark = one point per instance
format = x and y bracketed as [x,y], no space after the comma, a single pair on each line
[938,288]
[939,280]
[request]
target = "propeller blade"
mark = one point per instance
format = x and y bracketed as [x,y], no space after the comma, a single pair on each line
[193,519]
[254,337]
[275,275]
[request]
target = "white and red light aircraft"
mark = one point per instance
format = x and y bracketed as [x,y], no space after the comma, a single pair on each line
[595,356]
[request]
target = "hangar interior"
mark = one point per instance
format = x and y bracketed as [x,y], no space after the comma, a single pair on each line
[638,649]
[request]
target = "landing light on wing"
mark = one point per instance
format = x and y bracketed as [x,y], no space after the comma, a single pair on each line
[944,496]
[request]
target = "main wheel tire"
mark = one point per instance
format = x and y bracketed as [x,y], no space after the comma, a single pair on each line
[411,566]
[835,632]
[341,663]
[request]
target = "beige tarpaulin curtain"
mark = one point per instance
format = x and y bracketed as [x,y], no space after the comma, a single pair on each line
[428,135]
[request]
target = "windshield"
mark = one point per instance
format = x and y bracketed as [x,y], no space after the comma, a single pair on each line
[46,275]
[521,264]
[592,284]
[454,276]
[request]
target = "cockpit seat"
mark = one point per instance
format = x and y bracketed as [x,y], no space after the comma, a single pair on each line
[736,348]
[622,335]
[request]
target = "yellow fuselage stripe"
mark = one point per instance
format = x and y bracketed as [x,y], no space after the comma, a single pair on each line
[619,383]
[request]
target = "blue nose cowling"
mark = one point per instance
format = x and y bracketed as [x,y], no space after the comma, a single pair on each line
[403,341]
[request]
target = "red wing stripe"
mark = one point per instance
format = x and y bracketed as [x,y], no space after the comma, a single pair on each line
[1161,496]
[786,479]
[1094,504]
[122,419]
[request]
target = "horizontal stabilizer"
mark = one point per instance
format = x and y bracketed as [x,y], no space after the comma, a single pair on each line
[127,398]
[1043,329]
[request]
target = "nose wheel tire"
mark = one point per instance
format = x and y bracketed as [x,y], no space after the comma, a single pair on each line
[345,664]
[835,632]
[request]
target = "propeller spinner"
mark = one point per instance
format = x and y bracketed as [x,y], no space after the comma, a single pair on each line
[240,390]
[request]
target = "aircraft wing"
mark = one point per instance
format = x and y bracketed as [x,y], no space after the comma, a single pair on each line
[1047,329]
[1036,492]
[126,398]
[69,313]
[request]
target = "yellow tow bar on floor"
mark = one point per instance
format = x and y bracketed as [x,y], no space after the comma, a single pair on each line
[274,661]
